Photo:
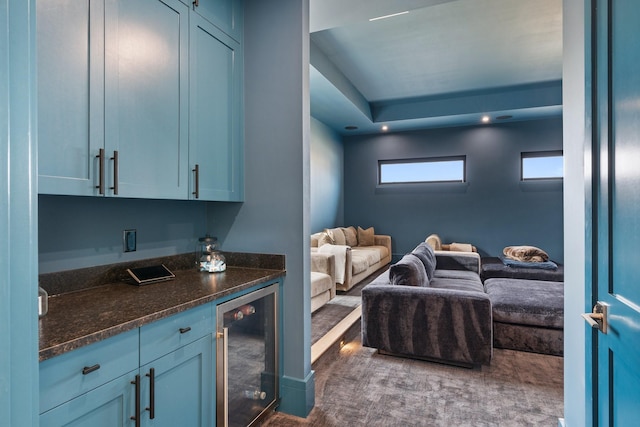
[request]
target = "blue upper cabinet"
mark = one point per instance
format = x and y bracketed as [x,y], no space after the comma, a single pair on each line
[70,47]
[146,98]
[114,99]
[215,113]
[224,14]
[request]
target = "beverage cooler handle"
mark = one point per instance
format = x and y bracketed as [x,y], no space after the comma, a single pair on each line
[225,374]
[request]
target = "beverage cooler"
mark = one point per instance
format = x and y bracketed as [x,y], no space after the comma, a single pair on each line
[247,357]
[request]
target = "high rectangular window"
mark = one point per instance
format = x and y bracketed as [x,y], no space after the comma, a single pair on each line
[434,169]
[542,165]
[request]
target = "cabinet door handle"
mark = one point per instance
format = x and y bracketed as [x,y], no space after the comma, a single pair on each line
[88,369]
[136,417]
[196,181]
[185,330]
[196,3]
[100,158]
[115,173]
[152,393]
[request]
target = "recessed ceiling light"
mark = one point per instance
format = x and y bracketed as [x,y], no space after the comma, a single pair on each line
[385,128]
[505,117]
[388,16]
[485,119]
[351,127]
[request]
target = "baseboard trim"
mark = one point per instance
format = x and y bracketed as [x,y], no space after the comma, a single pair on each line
[335,334]
[297,396]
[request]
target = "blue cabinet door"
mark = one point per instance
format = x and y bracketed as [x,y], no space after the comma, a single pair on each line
[215,114]
[615,223]
[224,14]
[70,50]
[146,97]
[182,392]
[110,405]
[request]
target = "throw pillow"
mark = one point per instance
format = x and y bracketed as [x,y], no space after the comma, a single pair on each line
[434,241]
[365,237]
[425,253]
[409,271]
[338,236]
[351,236]
[325,239]
[525,253]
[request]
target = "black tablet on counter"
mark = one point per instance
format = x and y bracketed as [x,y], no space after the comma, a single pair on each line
[151,274]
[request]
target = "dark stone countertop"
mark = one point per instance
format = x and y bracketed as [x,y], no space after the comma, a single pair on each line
[82,317]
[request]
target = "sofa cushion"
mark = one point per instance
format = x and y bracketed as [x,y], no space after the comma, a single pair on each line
[457,274]
[409,271]
[351,236]
[527,302]
[337,235]
[320,282]
[366,237]
[425,252]
[315,237]
[457,284]
[359,262]
[434,241]
[325,239]
[370,253]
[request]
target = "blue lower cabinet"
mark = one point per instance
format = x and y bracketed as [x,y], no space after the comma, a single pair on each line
[177,389]
[109,405]
[75,373]
[104,384]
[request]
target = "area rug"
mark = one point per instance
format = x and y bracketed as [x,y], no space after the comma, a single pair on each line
[356,387]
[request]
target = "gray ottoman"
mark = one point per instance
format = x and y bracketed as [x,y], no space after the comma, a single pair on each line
[528,315]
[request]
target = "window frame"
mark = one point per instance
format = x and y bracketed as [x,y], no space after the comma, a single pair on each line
[462,158]
[538,154]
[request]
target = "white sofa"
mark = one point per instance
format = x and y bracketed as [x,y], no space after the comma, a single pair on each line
[358,253]
[323,279]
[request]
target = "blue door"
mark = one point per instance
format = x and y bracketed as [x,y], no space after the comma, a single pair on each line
[614,220]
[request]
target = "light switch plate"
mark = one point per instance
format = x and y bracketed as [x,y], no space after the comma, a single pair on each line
[129,240]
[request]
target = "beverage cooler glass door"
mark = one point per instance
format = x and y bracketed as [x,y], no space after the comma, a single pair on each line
[247,357]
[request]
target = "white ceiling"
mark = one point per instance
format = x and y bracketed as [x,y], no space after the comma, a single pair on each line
[409,71]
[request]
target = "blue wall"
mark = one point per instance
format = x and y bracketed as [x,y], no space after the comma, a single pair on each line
[326,175]
[77,232]
[492,210]
[275,215]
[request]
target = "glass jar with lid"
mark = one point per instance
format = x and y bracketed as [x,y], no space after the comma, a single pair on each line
[208,258]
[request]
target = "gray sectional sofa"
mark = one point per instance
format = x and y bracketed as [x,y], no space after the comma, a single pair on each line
[527,305]
[434,305]
[430,305]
